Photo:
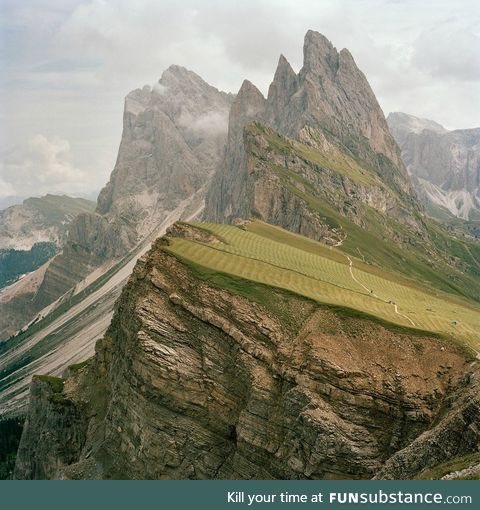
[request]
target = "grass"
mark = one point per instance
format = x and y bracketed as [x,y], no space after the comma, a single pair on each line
[457,464]
[439,261]
[274,257]
[331,161]
[55,383]
[78,366]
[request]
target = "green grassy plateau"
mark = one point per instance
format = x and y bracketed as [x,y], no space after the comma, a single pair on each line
[272,256]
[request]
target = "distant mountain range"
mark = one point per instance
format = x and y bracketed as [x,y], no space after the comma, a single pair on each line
[258,294]
[33,232]
[444,165]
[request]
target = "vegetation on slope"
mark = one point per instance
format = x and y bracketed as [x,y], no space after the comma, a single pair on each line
[431,256]
[322,275]
[15,263]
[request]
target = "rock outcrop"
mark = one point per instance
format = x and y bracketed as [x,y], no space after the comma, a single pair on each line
[444,165]
[195,381]
[329,107]
[44,219]
[172,142]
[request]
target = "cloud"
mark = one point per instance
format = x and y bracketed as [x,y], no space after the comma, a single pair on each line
[448,53]
[6,189]
[214,123]
[42,165]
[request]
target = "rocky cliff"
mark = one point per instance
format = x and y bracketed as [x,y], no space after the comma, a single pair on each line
[328,106]
[173,140]
[195,380]
[36,220]
[444,165]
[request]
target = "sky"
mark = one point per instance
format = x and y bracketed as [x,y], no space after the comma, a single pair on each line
[68,64]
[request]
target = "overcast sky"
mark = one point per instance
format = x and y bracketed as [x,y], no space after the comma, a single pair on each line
[67,65]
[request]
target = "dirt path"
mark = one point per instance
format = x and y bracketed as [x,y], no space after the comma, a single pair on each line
[371,293]
[339,243]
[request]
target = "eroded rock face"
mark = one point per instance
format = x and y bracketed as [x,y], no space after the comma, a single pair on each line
[43,219]
[329,95]
[332,93]
[445,165]
[295,184]
[173,139]
[192,381]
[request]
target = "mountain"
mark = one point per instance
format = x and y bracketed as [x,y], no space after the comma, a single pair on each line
[317,325]
[43,219]
[324,117]
[316,157]
[31,233]
[250,352]
[444,165]
[172,141]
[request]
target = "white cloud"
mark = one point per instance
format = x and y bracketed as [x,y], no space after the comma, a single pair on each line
[448,52]
[42,165]
[214,123]
[6,189]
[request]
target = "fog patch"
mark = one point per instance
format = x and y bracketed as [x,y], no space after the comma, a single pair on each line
[159,88]
[211,123]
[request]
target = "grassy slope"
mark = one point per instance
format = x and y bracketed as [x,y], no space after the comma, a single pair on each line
[430,263]
[274,257]
[54,207]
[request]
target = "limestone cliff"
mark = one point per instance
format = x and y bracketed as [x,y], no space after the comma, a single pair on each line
[195,380]
[445,165]
[328,100]
[173,140]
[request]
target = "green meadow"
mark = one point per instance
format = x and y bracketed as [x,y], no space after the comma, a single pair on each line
[272,256]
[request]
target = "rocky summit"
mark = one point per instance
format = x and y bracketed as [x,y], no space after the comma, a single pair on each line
[313,323]
[329,103]
[172,141]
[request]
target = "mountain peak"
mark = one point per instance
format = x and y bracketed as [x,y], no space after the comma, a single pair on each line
[284,70]
[283,86]
[410,123]
[248,89]
[319,54]
[247,105]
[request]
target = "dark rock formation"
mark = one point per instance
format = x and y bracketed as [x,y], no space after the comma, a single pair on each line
[194,381]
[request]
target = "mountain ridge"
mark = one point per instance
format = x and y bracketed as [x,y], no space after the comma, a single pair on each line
[317,325]
[444,164]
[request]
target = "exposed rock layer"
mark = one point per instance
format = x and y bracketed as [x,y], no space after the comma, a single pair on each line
[445,165]
[192,381]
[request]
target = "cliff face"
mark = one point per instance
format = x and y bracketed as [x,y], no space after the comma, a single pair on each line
[329,100]
[173,139]
[193,380]
[445,165]
[300,185]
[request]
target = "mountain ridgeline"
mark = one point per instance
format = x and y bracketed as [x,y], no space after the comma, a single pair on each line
[444,165]
[316,325]
[172,141]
